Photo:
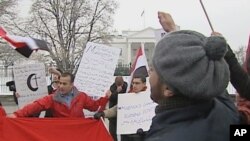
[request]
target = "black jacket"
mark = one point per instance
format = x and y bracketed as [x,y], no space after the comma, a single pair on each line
[206,121]
[239,78]
[114,96]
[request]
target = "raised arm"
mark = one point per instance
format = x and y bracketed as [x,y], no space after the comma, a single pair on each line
[239,78]
[166,21]
[94,105]
[35,107]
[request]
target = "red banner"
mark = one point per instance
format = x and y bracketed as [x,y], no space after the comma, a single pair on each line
[52,129]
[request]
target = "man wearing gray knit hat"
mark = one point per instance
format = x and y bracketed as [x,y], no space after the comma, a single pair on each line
[192,64]
[188,80]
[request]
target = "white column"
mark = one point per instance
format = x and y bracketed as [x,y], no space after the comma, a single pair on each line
[142,44]
[129,53]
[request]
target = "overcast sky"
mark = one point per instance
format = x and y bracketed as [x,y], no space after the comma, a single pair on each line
[230,17]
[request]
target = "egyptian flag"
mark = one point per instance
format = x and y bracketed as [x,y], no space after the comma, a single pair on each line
[247,60]
[139,67]
[23,45]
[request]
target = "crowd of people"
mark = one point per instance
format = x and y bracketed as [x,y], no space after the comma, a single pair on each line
[188,78]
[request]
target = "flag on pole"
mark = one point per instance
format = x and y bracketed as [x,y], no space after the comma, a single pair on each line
[247,59]
[139,67]
[23,45]
[142,13]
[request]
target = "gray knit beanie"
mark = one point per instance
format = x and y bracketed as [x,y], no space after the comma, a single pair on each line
[192,64]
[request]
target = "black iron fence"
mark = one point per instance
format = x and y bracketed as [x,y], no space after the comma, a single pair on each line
[5,76]
[122,70]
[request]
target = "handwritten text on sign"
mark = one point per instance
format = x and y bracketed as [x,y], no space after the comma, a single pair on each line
[96,70]
[30,81]
[135,113]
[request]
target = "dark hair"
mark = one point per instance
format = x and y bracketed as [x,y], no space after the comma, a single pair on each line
[119,81]
[59,70]
[143,78]
[72,77]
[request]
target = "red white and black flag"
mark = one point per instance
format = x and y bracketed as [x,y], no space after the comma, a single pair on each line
[139,67]
[23,45]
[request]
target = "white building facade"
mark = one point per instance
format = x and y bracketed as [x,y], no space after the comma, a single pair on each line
[130,41]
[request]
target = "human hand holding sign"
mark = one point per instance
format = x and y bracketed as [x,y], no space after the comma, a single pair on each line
[108,93]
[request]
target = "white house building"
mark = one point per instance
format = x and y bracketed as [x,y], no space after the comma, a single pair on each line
[130,41]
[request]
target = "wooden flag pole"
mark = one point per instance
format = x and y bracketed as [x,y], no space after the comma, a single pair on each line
[210,24]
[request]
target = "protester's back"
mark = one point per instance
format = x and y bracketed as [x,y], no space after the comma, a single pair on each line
[188,80]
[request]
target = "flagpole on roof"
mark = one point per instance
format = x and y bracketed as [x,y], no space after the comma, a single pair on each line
[143,16]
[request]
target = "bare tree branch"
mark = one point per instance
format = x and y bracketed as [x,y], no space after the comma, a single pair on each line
[67,25]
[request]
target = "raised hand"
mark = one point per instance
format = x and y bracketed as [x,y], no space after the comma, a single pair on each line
[166,21]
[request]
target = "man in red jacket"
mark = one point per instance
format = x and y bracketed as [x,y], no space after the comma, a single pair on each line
[67,101]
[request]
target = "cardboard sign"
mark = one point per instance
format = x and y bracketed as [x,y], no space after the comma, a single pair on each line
[96,70]
[134,111]
[30,81]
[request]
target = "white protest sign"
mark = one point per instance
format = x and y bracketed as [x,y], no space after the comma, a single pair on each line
[30,81]
[134,111]
[231,90]
[96,70]
[160,33]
